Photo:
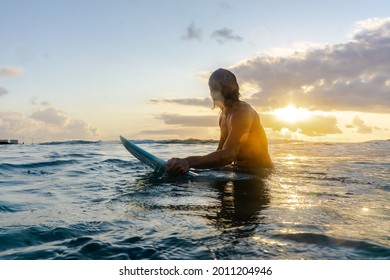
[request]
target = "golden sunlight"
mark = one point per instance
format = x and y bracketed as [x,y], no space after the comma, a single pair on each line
[291,114]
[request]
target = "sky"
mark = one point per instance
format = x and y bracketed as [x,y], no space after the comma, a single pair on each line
[94,69]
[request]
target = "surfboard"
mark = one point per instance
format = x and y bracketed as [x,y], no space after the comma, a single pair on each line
[154,162]
[157,164]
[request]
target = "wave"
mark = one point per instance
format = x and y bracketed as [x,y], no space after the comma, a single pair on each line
[6,207]
[377,141]
[204,141]
[176,141]
[189,141]
[117,162]
[371,163]
[87,241]
[39,234]
[322,240]
[139,141]
[71,142]
[11,166]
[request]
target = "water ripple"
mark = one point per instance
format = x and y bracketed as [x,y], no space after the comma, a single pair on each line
[364,249]
[93,200]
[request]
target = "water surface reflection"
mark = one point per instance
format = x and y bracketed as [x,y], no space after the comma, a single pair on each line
[240,203]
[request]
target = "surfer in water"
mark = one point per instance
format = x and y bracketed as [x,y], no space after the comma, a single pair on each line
[243,142]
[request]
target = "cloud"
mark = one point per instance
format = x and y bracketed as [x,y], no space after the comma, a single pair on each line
[35,101]
[225,34]
[371,27]
[178,133]
[78,129]
[15,125]
[315,125]
[3,91]
[361,126]
[8,71]
[203,102]
[50,116]
[349,76]
[189,121]
[11,71]
[43,125]
[192,33]
[222,35]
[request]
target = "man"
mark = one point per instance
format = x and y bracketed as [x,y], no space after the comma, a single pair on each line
[243,141]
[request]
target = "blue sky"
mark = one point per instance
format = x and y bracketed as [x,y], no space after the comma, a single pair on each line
[96,69]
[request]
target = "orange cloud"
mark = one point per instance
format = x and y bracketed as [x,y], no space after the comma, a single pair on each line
[315,125]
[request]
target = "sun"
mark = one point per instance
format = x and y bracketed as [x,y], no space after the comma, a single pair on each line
[291,113]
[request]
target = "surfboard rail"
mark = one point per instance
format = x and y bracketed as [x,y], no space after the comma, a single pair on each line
[154,162]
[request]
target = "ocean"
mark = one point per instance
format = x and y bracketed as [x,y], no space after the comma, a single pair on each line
[93,200]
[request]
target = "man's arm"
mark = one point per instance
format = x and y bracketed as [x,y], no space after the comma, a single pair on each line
[239,123]
[223,131]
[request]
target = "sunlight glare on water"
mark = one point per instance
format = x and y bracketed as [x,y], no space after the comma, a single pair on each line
[93,200]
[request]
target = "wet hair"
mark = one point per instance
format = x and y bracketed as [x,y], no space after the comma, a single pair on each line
[226,82]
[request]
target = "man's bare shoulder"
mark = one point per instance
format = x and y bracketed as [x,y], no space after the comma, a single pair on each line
[243,109]
[241,114]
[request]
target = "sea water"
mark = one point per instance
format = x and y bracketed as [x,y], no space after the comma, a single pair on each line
[93,200]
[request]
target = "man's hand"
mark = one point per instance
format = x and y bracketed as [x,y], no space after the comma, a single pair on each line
[177,166]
